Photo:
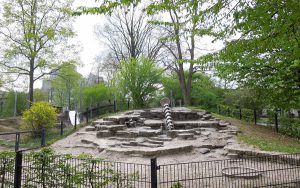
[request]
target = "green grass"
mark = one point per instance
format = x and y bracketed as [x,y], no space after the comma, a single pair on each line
[262,137]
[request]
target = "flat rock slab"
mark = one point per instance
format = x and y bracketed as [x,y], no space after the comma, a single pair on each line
[175,133]
[102,122]
[161,138]
[186,136]
[110,127]
[154,124]
[121,119]
[90,128]
[145,151]
[121,139]
[195,124]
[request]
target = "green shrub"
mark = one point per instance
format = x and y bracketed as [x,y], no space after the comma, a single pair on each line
[40,115]
[290,126]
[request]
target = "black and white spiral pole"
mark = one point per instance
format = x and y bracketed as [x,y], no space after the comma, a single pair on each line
[167,111]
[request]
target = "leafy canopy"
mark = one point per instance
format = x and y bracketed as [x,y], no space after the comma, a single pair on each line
[138,79]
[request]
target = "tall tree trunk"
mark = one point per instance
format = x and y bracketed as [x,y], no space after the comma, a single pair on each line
[31,82]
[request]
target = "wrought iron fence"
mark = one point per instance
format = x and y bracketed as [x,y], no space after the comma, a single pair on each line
[39,170]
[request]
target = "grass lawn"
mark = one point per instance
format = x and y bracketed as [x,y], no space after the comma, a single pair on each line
[262,137]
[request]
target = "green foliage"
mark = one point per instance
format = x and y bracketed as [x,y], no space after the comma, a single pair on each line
[6,167]
[176,185]
[39,95]
[95,94]
[138,79]
[267,56]
[66,85]
[9,104]
[51,170]
[290,126]
[40,115]
[34,38]
[245,98]
[204,92]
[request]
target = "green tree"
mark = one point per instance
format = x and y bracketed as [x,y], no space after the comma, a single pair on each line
[138,79]
[184,23]
[95,94]
[9,103]
[267,55]
[34,38]
[66,85]
[39,95]
[204,92]
[40,115]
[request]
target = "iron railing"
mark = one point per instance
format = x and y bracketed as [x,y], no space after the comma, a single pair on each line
[38,170]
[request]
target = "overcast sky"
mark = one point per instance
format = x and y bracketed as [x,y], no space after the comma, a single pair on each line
[90,46]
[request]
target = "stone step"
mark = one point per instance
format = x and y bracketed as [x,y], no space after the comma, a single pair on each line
[104,134]
[102,122]
[143,144]
[121,119]
[90,128]
[154,124]
[113,128]
[149,133]
[174,133]
[186,136]
[127,134]
[176,113]
[163,139]
[154,141]
[146,151]
[195,124]
[121,139]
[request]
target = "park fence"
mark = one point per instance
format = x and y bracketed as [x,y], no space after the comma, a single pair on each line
[39,170]
[278,119]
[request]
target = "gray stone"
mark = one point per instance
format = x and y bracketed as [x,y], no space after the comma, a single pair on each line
[205,133]
[174,133]
[102,122]
[149,133]
[154,141]
[186,136]
[121,139]
[204,150]
[154,124]
[161,138]
[112,128]
[104,133]
[90,128]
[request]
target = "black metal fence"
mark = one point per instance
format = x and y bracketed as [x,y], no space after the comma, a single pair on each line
[278,119]
[101,109]
[38,170]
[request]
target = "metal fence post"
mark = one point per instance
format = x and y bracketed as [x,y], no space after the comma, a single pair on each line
[18,170]
[75,126]
[228,112]
[115,105]
[61,128]
[17,144]
[276,122]
[240,114]
[128,104]
[254,114]
[219,109]
[43,137]
[87,115]
[154,169]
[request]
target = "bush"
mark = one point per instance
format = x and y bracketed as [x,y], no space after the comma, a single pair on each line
[290,126]
[40,115]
